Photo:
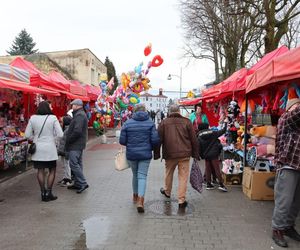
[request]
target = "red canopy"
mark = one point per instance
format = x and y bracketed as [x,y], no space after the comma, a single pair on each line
[237,81]
[21,86]
[189,102]
[71,86]
[37,78]
[282,68]
[93,92]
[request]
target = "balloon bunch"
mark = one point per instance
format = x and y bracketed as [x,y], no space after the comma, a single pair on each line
[126,95]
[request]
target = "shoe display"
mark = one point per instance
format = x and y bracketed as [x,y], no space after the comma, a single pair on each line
[223,188]
[292,233]
[278,238]
[183,205]
[209,186]
[162,191]
[80,190]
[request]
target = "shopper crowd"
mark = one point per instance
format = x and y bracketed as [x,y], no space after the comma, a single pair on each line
[178,139]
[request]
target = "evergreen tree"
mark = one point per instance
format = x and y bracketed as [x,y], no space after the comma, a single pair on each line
[22,45]
[111,72]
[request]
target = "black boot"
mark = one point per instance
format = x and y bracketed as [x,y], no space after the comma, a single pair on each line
[278,238]
[50,196]
[44,195]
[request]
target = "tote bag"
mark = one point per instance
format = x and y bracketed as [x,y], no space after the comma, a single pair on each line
[121,161]
[196,178]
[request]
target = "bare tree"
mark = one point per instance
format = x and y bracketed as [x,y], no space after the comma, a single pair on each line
[232,33]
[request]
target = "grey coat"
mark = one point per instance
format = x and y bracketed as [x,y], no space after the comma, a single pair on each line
[45,144]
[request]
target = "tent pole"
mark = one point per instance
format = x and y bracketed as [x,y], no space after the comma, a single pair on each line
[246,131]
[28,107]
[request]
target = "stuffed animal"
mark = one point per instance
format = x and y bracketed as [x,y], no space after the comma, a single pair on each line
[263,140]
[233,110]
[264,131]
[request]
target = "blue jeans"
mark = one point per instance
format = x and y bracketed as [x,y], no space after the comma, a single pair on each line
[139,178]
[75,159]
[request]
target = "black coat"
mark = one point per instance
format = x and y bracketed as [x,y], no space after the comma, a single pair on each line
[77,131]
[209,145]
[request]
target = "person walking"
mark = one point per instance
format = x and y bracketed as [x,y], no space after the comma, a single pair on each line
[179,143]
[140,136]
[287,183]
[61,149]
[158,116]
[44,127]
[198,117]
[75,144]
[210,150]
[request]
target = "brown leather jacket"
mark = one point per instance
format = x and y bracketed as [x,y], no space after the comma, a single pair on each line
[177,137]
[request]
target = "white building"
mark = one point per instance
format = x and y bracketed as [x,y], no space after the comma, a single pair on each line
[155,102]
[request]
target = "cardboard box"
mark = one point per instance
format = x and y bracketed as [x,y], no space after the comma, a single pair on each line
[232,179]
[258,185]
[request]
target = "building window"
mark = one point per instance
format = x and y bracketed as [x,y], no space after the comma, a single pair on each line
[150,99]
[146,98]
[151,105]
[92,76]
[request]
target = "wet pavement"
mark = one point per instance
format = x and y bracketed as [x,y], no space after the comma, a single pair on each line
[103,216]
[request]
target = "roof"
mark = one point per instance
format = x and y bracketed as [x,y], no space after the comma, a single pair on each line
[150,95]
[71,50]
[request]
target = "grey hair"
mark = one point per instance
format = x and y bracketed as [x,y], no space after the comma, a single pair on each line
[174,108]
[139,107]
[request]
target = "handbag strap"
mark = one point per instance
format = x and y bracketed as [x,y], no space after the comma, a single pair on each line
[43,126]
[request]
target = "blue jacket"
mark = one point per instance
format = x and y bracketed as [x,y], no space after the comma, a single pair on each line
[139,135]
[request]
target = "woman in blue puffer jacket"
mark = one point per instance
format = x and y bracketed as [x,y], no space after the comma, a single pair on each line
[140,136]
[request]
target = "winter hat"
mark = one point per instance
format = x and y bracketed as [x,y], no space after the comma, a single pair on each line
[291,102]
[77,102]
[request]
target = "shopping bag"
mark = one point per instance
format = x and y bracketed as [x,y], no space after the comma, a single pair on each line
[196,178]
[121,160]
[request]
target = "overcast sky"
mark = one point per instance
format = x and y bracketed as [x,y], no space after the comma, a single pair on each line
[118,29]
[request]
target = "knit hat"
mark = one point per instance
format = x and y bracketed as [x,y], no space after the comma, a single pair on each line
[291,102]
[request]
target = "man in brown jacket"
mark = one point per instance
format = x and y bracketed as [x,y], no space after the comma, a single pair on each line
[179,143]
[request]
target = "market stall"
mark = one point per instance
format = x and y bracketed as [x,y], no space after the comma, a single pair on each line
[229,98]
[14,87]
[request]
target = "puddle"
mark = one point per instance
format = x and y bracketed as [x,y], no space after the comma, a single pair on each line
[96,231]
[169,208]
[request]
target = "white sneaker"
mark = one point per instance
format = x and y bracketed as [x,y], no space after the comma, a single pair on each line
[223,188]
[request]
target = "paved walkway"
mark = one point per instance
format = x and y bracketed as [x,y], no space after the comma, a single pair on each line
[103,217]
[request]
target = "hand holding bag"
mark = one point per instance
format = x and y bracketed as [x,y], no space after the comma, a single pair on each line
[196,178]
[32,147]
[121,160]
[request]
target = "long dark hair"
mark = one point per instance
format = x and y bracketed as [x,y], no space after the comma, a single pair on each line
[44,109]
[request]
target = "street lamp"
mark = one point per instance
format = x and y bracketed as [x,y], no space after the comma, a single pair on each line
[180,78]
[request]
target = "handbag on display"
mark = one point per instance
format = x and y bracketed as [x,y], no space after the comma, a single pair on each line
[121,162]
[32,147]
[196,178]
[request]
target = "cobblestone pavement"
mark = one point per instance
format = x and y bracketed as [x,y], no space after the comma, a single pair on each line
[103,217]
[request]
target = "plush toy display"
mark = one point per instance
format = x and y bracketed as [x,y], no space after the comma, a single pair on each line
[264,131]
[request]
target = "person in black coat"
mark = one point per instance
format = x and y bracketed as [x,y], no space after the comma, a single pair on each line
[209,149]
[75,144]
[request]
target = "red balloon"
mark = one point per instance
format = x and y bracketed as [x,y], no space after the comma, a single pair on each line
[148,50]
[157,61]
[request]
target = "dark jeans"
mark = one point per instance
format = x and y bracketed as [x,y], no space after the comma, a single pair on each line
[213,165]
[75,159]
